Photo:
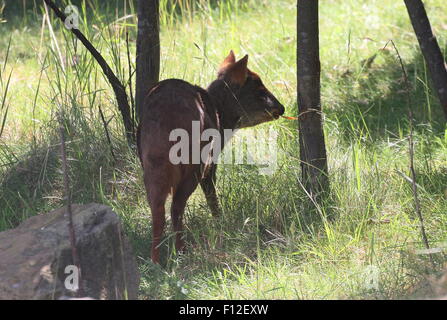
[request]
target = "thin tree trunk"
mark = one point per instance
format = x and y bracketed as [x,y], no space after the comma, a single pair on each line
[312,145]
[148,50]
[117,86]
[430,49]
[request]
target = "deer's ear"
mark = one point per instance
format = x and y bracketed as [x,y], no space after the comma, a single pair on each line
[229,60]
[238,72]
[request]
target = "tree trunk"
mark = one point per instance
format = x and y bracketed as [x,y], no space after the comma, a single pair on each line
[148,50]
[312,145]
[430,49]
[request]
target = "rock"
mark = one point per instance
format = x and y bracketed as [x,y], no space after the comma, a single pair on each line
[34,256]
[440,286]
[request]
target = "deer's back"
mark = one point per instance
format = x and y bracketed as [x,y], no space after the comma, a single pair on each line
[171,104]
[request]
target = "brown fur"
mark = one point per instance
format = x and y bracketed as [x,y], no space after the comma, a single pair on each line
[236,99]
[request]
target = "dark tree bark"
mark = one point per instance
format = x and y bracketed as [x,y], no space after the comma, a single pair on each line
[148,50]
[312,145]
[430,49]
[117,86]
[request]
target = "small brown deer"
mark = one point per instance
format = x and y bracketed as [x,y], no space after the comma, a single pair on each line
[236,99]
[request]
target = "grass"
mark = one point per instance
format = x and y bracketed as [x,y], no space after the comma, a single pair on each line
[269,243]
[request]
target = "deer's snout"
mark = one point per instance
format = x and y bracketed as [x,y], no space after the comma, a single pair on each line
[277,109]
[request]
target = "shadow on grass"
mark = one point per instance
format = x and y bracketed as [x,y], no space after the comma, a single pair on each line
[32,183]
[374,105]
[29,186]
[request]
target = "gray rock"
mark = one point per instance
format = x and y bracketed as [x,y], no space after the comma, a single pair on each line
[33,257]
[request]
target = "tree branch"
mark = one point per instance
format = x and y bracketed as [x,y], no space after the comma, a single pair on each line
[117,86]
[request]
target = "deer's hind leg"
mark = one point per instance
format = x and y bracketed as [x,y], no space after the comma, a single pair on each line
[157,192]
[183,191]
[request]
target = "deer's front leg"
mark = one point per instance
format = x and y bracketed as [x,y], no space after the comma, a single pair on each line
[209,189]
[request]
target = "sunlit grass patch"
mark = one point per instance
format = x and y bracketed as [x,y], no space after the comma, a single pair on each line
[269,243]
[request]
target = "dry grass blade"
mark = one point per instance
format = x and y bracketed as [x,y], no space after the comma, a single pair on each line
[411,155]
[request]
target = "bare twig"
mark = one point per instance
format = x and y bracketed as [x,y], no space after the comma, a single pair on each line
[132,100]
[104,122]
[411,155]
[415,189]
[117,86]
[71,231]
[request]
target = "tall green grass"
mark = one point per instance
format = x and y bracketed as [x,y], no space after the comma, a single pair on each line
[269,243]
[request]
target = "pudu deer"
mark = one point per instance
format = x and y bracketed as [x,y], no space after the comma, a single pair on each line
[236,99]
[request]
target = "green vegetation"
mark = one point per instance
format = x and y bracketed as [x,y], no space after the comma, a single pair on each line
[269,243]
